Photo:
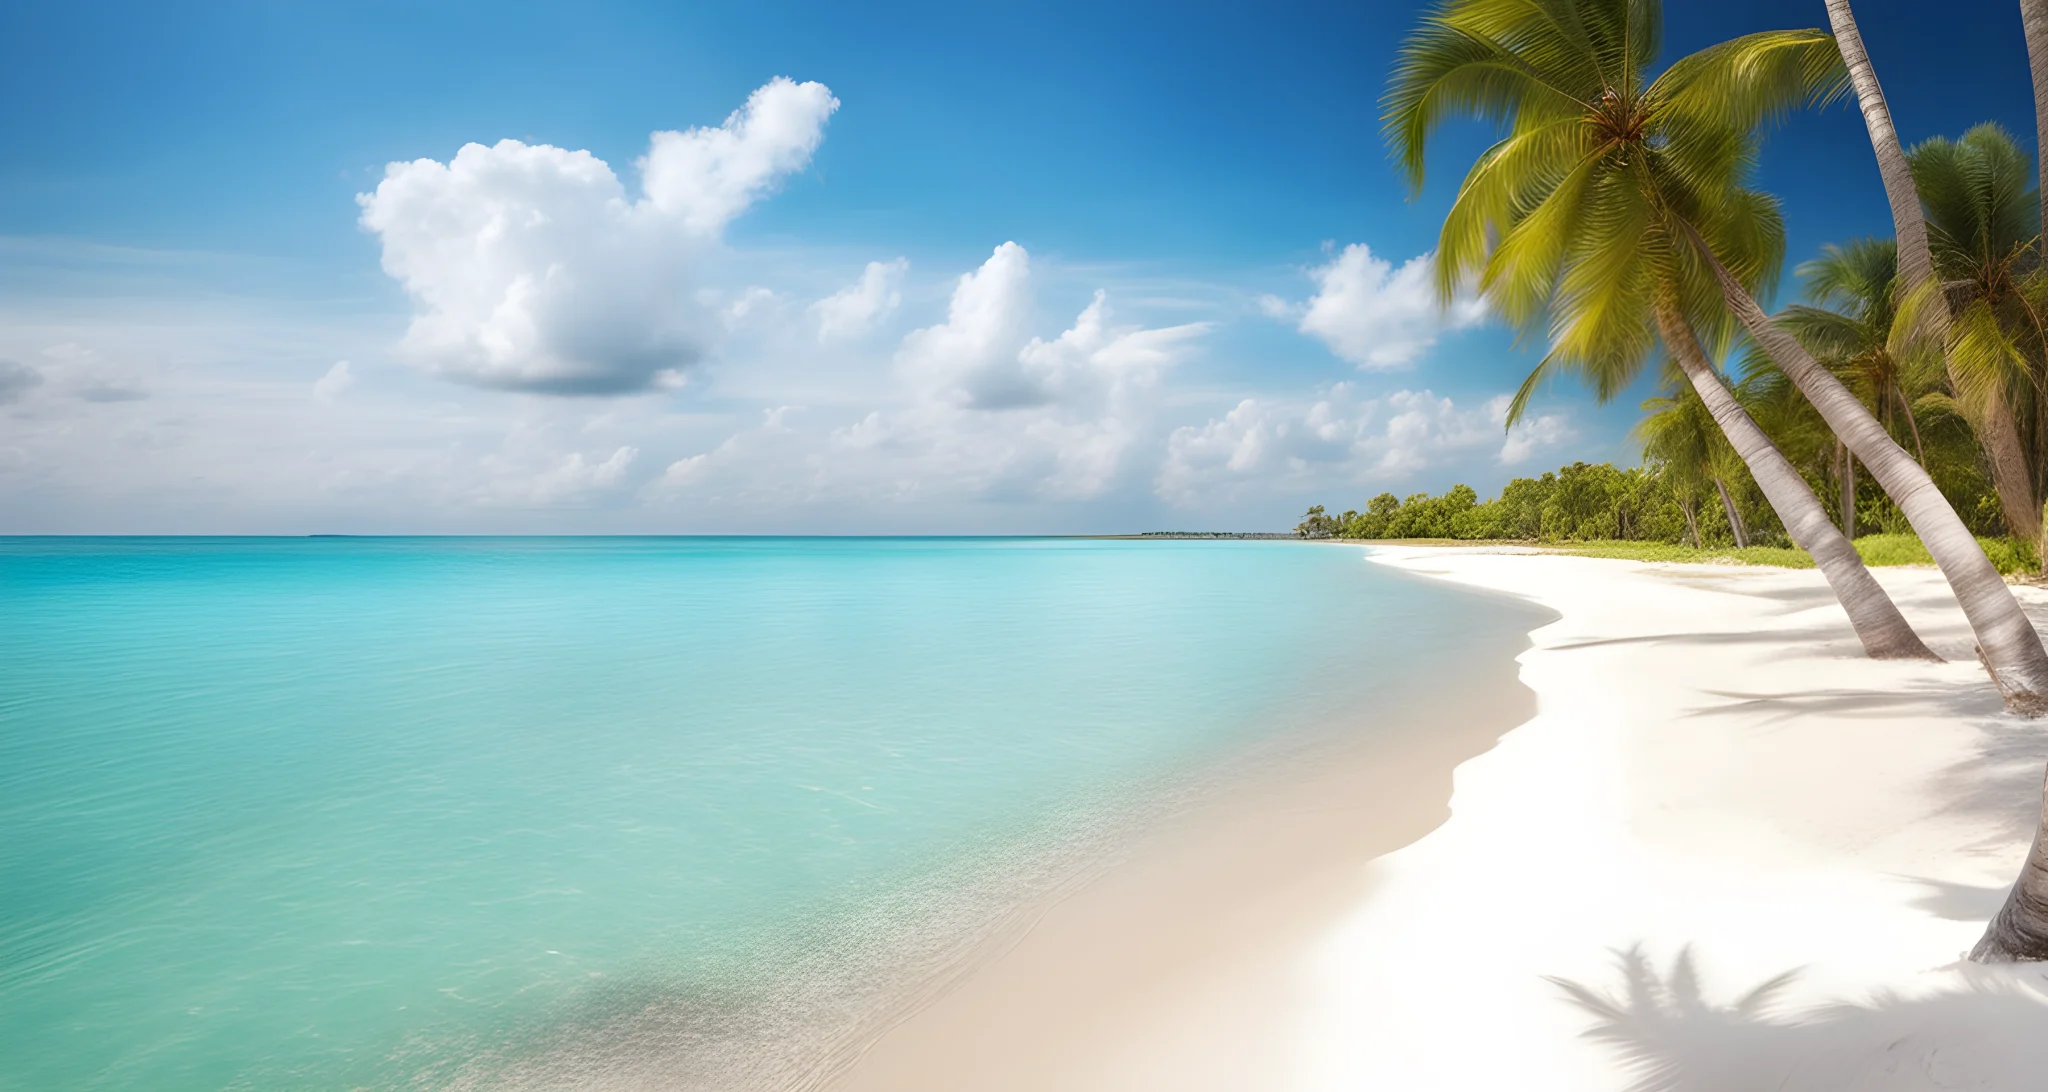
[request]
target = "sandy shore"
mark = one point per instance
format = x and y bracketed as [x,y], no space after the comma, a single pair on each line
[1725,853]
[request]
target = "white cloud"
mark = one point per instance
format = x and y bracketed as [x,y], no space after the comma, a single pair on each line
[1335,440]
[85,373]
[768,446]
[751,302]
[1026,402]
[1530,434]
[999,414]
[329,387]
[975,406]
[854,310]
[971,357]
[530,268]
[1372,314]
[705,176]
[575,477]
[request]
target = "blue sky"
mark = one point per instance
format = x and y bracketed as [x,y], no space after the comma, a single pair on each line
[185,265]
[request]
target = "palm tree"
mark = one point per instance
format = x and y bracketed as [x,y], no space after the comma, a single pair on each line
[2034,20]
[2006,641]
[1583,218]
[1679,434]
[1983,220]
[1849,328]
[1992,418]
[1984,226]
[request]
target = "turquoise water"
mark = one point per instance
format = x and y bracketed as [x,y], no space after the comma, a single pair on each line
[326,813]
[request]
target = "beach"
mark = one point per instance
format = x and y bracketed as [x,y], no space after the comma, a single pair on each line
[1726,852]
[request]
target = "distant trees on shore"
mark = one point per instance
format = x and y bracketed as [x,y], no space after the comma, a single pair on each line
[1580,502]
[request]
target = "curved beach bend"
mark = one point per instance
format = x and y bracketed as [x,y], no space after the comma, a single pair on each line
[1727,852]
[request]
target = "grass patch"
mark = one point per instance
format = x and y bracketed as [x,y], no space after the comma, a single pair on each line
[1783,557]
[2011,556]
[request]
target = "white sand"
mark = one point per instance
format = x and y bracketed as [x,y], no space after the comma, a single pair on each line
[1715,770]
[1716,781]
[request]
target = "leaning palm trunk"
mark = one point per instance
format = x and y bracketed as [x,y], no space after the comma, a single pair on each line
[2010,477]
[1848,495]
[1916,259]
[1735,525]
[2006,640]
[1994,425]
[2034,17]
[2020,931]
[1879,625]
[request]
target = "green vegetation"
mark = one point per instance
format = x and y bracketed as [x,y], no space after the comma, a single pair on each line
[1879,550]
[1578,503]
[1783,557]
[1638,514]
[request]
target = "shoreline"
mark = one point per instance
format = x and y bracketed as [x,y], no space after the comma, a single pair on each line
[1184,935]
[1726,852]
[868,981]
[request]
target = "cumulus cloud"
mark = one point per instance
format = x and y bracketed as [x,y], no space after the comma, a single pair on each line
[705,177]
[1372,314]
[1530,434]
[1000,413]
[329,387]
[771,445]
[750,303]
[975,406]
[16,381]
[530,268]
[1336,439]
[854,310]
[575,476]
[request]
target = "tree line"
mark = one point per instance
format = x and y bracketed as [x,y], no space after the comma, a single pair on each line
[1582,502]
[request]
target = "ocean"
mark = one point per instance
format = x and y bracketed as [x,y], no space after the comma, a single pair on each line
[427,812]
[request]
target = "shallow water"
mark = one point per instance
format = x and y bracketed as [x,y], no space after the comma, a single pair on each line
[323,813]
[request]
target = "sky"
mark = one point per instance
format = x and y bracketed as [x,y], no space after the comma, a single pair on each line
[786,267]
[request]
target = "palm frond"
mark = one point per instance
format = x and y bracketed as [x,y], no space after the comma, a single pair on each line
[1750,81]
[1447,71]
[1520,171]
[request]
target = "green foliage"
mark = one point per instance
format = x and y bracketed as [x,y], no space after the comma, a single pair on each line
[1785,557]
[1319,524]
[2010,555]
[1585,219]
[1580,502]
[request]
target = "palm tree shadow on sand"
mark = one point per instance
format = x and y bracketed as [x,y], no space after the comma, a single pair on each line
[1983,1028]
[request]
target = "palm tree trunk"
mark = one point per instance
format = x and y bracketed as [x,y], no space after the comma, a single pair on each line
[1848,495]
[1996,428]
[1877,621]
[1919,449]
[1735,526]
[2020,931]
[2006,639]
[1842,490]
[2034,17]
[1692,522]
[1916,260]
[2009,474]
